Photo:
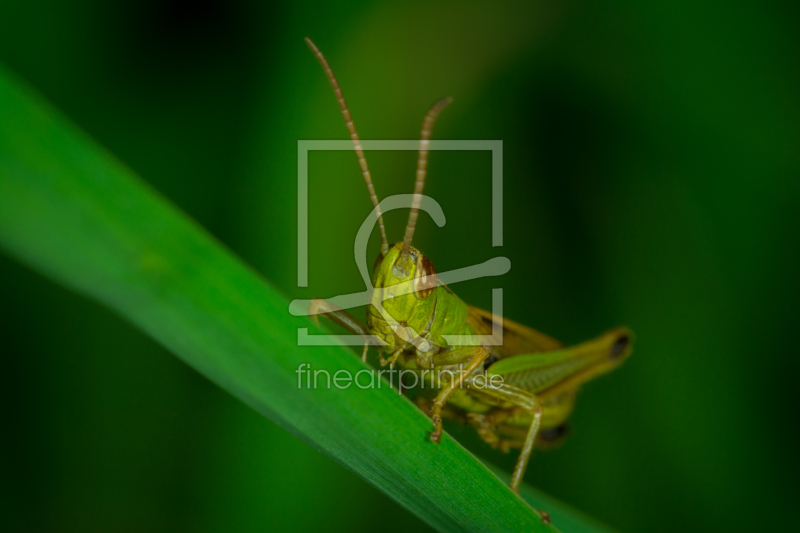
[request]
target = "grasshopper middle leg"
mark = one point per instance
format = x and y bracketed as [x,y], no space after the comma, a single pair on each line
[475,355]
[486,426]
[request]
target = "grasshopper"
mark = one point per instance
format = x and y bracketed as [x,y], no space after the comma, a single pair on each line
[411,312]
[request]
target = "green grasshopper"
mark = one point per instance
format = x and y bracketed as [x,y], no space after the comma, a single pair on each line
[412,312]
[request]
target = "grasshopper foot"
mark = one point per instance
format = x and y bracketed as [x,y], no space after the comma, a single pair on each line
[544,515]
[436,418]
[429,408]
[436,434]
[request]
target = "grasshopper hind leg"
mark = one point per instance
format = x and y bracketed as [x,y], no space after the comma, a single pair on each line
[525,401]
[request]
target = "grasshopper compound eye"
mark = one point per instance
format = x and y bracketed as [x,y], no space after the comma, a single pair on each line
[425,282]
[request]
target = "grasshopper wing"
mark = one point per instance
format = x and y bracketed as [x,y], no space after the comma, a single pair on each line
[548,374]
[517,339]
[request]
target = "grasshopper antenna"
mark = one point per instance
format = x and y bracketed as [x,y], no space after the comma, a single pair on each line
[351,127]
[422,168]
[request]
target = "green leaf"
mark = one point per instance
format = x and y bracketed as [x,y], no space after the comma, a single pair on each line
[70,210]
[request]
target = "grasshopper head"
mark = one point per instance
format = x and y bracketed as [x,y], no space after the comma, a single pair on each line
[401,283]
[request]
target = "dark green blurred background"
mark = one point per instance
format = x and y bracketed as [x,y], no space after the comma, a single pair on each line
[651,179]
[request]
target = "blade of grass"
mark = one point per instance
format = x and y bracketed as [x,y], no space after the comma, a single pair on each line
[71,211]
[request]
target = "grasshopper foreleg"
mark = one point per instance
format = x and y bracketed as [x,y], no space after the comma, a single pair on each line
[392,359]
[339,316]
[336,314]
